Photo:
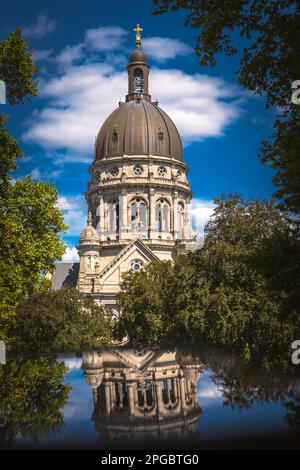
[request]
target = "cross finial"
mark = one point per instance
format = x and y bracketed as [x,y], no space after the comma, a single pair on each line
[89,220]
[138,31]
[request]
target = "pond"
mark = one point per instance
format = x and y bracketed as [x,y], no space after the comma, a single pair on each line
[122,398]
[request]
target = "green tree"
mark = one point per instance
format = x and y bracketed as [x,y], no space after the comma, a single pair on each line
[57,321]
[144,301]
[269,63]
[30,222]
[32,396]
[218,295]
[17,68]
[30,225]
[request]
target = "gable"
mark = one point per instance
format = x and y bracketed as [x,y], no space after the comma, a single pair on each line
[136,250]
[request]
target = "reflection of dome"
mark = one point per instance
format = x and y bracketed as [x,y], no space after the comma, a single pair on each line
[138,127]
[143,394]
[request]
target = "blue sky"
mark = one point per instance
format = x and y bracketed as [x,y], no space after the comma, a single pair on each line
[82,50]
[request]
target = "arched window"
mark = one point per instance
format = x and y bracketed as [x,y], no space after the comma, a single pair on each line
[162,216]
[115,137]
[136,265]
[180,218]
[138,214]
[138,81]
[113,215]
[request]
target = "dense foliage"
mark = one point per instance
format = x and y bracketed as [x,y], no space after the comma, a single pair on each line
[30,222]
[32,397]
[64,320]
[266,34]
[255,283]
[217,295]
[17,68]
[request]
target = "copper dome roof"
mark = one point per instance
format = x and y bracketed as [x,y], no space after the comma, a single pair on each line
[138,127]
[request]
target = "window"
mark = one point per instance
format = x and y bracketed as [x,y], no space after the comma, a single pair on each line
[115,137]
[161,171]
[114,171]
[162,216]
[160,135]
[113,215]
[138,213]
[138,81]
[137,170]
[136,265]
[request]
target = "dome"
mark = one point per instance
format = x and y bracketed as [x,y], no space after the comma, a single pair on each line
[138,127]
[89,233]
[138,56]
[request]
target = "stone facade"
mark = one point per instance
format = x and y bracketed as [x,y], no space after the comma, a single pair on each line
[138,196]
[143,394]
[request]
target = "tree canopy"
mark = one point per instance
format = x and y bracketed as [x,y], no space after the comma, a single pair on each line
[32,397]
[218,295]
[266,35]
[30,222]
[50,321]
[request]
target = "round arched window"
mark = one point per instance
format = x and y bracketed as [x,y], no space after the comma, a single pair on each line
[137,170]
[114,171]
[115,137]
[162,171]
[138,81]
[136,265]
[160,135]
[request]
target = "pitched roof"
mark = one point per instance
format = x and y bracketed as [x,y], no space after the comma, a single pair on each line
[65,274]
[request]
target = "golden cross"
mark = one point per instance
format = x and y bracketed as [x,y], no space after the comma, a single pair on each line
[138,31]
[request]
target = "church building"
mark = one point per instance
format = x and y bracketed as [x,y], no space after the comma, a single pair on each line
[138,195]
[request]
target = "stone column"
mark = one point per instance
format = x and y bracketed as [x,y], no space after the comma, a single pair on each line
[105,216]
[175,213]
[131,399]
[195,392]
[107,398]
[159,403]
[113,395]
[123,215]
[101,214]
[188,219]
[182,395]
[151,214]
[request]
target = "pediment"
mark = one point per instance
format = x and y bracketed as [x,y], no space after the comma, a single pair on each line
[122,262]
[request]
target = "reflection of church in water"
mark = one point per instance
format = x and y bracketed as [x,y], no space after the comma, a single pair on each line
[143,394]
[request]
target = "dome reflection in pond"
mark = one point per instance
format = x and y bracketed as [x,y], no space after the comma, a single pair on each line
[142,398]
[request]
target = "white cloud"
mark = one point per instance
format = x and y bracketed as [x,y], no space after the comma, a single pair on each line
[75,213]
[38,174]
[71,362]
[201,211]
[40,28]
[69,55]
[42,54]
[209,390]
[163,49]
[70,255]
[105,38]
[84,95]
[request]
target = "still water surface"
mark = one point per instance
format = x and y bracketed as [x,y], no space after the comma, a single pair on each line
[143,398]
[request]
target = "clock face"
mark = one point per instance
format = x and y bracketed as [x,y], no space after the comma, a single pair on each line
[138,82]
